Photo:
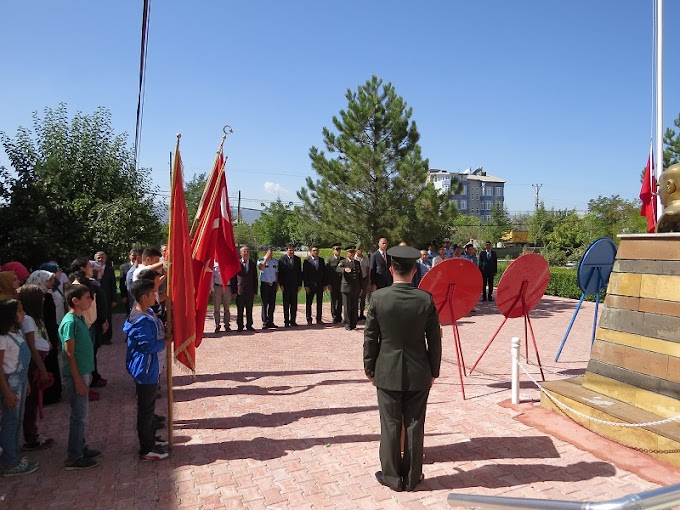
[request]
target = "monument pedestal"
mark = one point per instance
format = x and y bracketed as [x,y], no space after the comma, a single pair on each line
[633,375]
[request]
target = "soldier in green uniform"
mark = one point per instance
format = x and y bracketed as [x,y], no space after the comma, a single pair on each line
[402,356]
[350,287]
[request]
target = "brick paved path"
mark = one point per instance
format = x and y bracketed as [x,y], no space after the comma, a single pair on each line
[286,419]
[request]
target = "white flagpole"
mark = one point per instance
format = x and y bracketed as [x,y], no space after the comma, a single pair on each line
[659,100]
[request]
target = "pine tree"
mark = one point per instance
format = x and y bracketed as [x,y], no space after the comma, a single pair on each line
[374,181]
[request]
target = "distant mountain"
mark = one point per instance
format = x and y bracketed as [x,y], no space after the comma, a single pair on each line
[247,215]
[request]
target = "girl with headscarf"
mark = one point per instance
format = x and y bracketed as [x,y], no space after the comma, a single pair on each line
[44,280]
[9,283]
[32,298]
[18,268]
[57,289]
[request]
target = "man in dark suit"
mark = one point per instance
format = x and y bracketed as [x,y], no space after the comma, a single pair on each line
[350,287]
[290,281]
[333,279]
[402,357]
[107,280]
[122,285]
[488,265]
[380,267]
[244,287]
[314,279]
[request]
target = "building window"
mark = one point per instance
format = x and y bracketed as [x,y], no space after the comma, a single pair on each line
[486,205]
[463,205]
[464,192]
[488,191]
[499,191]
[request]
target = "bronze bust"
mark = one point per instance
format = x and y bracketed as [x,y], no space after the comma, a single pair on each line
[669,191]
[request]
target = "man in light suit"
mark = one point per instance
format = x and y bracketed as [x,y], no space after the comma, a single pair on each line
[380,267]
[402,357]
[314,280]
[488,265]
[290,281]
[244,287]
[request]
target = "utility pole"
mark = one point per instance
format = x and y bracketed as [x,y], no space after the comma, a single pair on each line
[538,188]
[238,210]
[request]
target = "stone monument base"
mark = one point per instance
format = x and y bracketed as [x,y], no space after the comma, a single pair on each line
[633,375]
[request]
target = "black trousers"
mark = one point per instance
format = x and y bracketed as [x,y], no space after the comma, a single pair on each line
[397,407]
[244,302]
[268,295]
[350,303]
[487,281]
[309,299]
[365,287]
[336,304]
[290,305]
[146,405]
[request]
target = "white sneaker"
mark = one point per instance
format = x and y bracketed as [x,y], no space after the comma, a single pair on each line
[154,455]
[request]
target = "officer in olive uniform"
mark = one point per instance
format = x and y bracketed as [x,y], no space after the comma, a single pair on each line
[402,356]
[333,279]
[350,287]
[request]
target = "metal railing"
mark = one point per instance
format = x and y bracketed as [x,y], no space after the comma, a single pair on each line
[656,499]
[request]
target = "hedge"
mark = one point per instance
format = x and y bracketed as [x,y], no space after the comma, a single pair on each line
[562,283]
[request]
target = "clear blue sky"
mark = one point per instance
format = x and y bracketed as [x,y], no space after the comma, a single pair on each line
[557,93]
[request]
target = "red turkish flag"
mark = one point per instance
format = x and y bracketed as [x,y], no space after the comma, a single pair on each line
[180,275]
[213,240]
[648,193]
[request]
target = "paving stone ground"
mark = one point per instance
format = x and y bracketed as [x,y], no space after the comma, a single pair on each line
[286,419]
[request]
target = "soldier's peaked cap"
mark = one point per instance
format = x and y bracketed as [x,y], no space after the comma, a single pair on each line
[351,247]
[404,254]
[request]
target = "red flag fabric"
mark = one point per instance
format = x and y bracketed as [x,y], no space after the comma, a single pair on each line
[226,253]
[203,246]
[648,194]
[180,277]
[214,240]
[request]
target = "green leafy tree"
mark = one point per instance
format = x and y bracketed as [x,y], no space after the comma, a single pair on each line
[75,189]
[543,222]
[568,235]
[274,224]
[466,228]
[498,225]
[193,190]
[611,216]
[671,140]
[243,234]
[373,182]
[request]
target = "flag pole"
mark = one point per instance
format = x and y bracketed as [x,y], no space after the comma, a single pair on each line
[226,130]
[169,348]
[659,102]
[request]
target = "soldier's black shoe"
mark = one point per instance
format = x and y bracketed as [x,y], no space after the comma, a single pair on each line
[381,481]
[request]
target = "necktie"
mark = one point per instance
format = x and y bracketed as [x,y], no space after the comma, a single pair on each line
[245,266]
[384,257]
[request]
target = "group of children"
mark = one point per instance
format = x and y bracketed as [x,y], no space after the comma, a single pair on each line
[145,339]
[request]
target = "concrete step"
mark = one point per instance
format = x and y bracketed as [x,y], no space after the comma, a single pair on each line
[657,440]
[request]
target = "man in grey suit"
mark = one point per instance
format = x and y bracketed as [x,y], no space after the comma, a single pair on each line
[402,356]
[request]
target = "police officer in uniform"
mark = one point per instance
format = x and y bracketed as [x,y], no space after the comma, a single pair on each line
[402,356]
[350,287]
[269,272]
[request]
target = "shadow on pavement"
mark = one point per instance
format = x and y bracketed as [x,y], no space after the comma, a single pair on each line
[495,476]
[258,448]
[485,448]
[184,380]
[266,420]
[189,394]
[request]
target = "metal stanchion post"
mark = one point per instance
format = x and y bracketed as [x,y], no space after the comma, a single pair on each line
[514,350]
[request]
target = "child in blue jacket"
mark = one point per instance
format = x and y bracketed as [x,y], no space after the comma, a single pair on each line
[145,339]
